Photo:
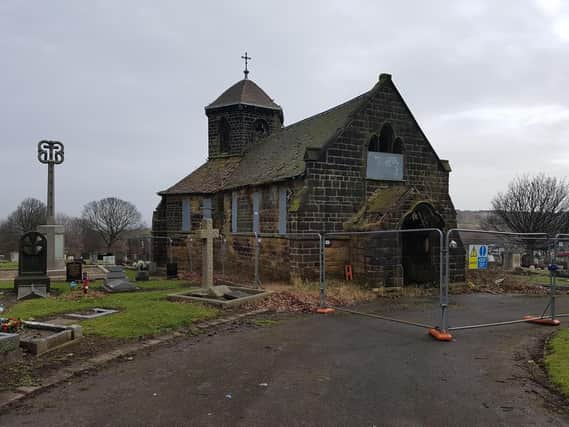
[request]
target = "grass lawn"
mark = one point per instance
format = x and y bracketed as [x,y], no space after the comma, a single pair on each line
[8,265]
[557,360]
[543,278]
[142,313]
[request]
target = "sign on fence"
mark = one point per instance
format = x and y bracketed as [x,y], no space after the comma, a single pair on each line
[478,257]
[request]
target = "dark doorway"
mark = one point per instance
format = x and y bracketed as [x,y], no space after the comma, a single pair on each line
[420,250]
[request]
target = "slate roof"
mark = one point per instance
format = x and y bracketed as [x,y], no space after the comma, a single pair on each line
[210,177]
[244,92]
[278,157]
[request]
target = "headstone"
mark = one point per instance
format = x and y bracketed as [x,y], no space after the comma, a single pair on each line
[14,256]
[109,259]
[207,234]
[152,267]
[117,281]
[74,271]
[32,261]
[171,270]
[115,272]
[142,276]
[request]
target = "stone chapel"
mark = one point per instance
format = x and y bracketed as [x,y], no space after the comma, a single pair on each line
[359,166]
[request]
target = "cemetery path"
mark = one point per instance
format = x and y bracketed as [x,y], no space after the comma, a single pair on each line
[324,370]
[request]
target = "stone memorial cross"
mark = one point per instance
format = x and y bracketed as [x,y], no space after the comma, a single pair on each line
[51,153]
[207,234]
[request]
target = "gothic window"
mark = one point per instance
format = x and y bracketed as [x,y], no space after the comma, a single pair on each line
[373,143]
[224,136]
[260,129]
[397,146]
[386,138]
[384,156]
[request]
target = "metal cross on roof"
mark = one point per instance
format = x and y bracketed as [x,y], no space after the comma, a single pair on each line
[246,58]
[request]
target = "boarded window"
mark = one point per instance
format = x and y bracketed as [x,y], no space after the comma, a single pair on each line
[282,210]
[234,212]
[385,166]
[244,213]
[256,206]
[186,215]
[206,208]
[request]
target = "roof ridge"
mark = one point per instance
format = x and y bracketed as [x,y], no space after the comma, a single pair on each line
[328,111]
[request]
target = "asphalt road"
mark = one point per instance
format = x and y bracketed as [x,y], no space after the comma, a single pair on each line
[335,370]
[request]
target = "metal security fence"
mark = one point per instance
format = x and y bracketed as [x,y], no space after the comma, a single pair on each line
[492,254]
[259,258]
[382,259]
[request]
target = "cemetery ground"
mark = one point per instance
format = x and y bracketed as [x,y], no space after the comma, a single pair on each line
[341,369]
[142,316]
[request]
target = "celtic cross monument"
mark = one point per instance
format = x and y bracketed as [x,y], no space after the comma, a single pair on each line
[51,153]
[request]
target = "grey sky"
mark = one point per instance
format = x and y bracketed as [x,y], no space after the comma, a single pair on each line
[123,84]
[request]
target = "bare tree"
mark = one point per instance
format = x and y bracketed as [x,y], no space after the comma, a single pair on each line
[110,218]
[29,214]
[537,204]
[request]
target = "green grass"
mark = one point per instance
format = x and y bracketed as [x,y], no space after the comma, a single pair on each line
[543,278]
[8,265]
[142,313]
[557,360]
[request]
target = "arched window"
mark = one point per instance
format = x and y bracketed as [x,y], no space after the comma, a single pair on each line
[373,144]
[224,136]
[397,146]
[260,129]
[386,137]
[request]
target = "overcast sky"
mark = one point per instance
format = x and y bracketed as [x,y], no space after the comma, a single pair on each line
[123,84]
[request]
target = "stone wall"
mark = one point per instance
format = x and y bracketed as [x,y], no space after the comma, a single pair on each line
[337,186]
[240,119]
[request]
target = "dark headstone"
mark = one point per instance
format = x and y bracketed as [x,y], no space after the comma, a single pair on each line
[171,270]
[142,276]
[117,281]
[115,272]
[74,271]
[32,261]
[119,285]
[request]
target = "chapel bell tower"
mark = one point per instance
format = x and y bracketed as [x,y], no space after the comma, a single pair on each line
[241,116]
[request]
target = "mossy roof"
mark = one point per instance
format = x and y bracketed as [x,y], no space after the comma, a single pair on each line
[278,157]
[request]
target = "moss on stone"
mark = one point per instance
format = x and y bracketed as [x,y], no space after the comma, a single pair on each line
[297,199]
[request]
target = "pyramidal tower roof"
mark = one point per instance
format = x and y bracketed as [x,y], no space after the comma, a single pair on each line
[245,92]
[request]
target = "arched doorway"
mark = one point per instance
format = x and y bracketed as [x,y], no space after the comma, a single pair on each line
[420,250]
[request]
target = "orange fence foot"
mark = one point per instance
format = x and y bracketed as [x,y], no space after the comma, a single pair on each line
[440,335]
[325,310]
[544,321]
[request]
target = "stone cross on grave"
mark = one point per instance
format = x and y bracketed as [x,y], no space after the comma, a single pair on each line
[207,234]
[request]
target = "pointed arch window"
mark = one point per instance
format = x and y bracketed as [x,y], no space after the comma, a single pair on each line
[386,137]
[385,156]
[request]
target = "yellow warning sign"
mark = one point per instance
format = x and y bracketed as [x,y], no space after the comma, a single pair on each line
[473,257]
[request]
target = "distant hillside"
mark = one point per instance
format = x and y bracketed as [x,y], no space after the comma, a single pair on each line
[471,219]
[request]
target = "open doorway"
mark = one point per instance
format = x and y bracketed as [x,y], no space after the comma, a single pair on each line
[420,250]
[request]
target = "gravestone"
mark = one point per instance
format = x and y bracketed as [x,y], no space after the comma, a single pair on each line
[74,271]
[117,281]
[171,270]
[32,262]
[142,274]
